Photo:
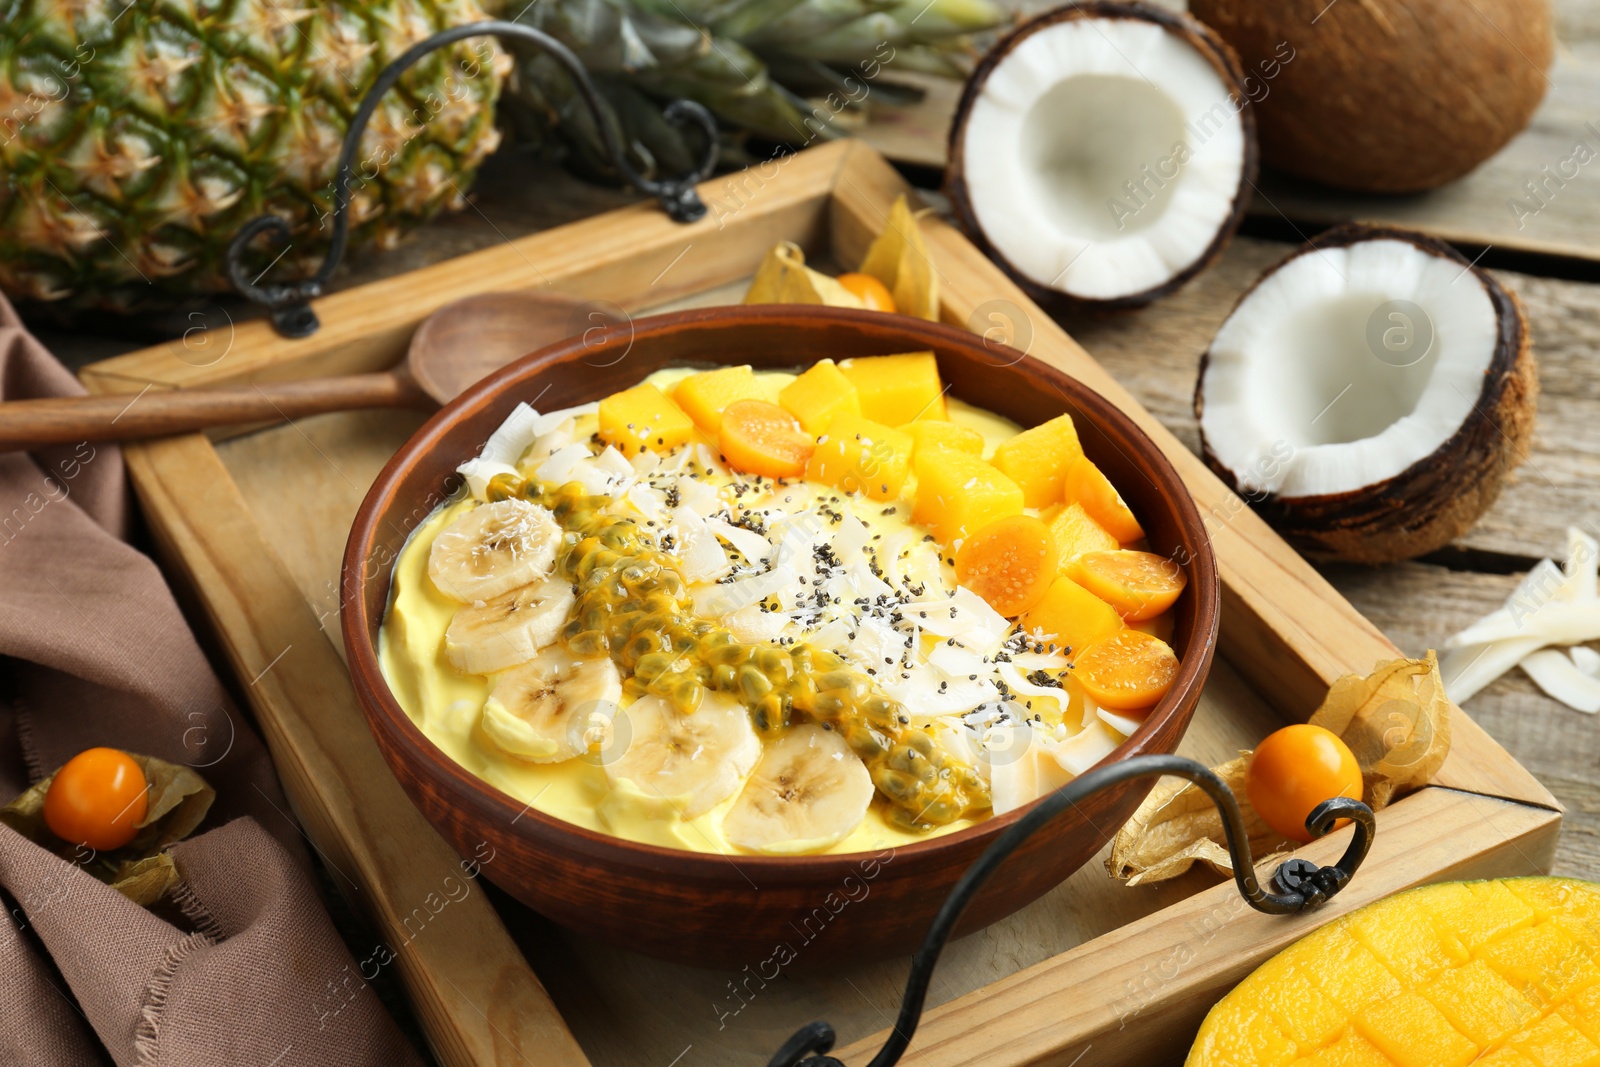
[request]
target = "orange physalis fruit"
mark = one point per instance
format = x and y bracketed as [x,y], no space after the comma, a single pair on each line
[1086,484]
[1295,769]
[98,798]
[1010,563]
[869,290]
[1140,585]
[761,438]
[1128,670]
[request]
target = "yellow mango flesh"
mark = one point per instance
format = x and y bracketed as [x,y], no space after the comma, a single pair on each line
[818,395]
[1503,972]
[703,396]
[1037,459]
[1076,533]
[858,455]
[643,418]
[899,389]
[959,494]
[1071,617]
[930,434]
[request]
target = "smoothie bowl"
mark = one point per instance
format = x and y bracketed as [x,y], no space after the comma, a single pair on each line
[746,630]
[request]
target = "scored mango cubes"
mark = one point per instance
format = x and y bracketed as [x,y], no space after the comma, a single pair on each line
[1071,617]
[1499,972]
[818,395]
[1037,459]
[959,494]
[858,455]
[704,396]
[643,418]
[899,389]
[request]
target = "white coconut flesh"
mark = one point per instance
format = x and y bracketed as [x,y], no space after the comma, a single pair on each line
[1102,156]
[1324,379]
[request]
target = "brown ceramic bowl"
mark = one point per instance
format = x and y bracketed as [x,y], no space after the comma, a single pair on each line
[710,909]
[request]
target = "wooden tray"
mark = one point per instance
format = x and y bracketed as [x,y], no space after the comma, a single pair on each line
[254,526]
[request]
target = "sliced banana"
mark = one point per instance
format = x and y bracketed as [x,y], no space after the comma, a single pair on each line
[493,549]
[553,707]
[508,630]
[690,763]
[808,793]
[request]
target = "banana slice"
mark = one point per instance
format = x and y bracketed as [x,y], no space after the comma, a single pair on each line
[493,549]
[690,763]
[509,629]
[553,707]
[807,794]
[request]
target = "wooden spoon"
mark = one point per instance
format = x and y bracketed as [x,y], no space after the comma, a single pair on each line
[451,349]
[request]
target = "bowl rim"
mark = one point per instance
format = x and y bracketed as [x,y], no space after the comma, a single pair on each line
[383,710]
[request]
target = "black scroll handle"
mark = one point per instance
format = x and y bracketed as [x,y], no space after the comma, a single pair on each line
[1304,885]
[290,302]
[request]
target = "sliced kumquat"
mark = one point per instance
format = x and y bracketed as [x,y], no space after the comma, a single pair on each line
[1128,670]
[761,438]
[1011,563]
[1086,484]
[869,290]
[1140,585]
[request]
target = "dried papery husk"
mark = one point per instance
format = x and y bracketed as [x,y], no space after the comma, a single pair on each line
[898,257]
[1395,720]
[178,802]
[784,278]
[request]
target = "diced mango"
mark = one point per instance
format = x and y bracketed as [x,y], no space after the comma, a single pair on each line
[1086,484]
[930,434]
[1076,533]
[896,390]
[703,396]
[1037,459]
[959,494]
[643,418]
[1161,626]
[1463,972]
[858,455]
[1072,617]
[818,395]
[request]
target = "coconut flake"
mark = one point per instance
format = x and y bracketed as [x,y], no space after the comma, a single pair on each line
[1585,659]
[480,472]
[1558,676]
[752,546]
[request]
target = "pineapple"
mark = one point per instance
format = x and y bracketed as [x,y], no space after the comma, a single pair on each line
[137,136]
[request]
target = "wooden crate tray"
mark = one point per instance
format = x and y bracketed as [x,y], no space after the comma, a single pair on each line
[255,525]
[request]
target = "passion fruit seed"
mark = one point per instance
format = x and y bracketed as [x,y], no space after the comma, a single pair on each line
[633,604]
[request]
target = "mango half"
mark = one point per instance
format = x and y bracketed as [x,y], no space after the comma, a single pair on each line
[1501,973]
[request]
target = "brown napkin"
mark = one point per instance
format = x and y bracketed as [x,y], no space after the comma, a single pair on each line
[93,651]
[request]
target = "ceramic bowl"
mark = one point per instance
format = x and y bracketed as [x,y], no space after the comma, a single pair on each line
[722,910]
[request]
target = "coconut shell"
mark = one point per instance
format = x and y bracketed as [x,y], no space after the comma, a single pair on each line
[1212,47]
[1442,495]
[1387,96]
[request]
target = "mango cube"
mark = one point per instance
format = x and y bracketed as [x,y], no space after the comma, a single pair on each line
[930,434]
[1037,459]
[896,390]
[818,395]
[959,494]
[703,396]
[643,418]
[858,455]
[1076,533]
[1071,617]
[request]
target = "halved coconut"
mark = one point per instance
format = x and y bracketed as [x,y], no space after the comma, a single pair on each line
[1369,394]
[1103,151]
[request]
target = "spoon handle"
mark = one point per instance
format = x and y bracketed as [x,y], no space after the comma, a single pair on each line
[159,411]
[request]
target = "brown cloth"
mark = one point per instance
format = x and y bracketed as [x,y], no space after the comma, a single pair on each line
[93,651]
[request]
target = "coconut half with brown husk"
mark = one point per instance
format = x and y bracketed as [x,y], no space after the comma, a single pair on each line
[1103,152]
[1369,394]
[1387,96]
